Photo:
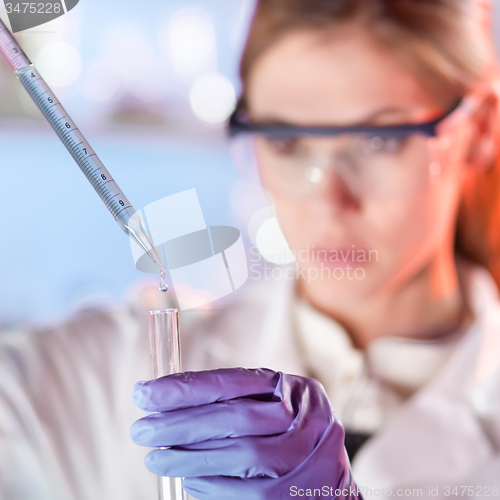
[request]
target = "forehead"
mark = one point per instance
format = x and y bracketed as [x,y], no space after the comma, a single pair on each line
[309,78]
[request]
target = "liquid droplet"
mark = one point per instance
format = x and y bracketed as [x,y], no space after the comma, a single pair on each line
[163,285]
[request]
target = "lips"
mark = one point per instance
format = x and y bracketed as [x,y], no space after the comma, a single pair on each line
[340,256]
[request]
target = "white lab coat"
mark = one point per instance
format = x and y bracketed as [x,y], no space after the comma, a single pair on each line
[65,405]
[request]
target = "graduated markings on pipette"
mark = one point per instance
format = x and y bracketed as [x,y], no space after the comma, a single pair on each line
[80,150]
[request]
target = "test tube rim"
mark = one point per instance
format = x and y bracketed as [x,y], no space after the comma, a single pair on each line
[160,311]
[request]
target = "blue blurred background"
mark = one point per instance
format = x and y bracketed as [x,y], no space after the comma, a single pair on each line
[150,84]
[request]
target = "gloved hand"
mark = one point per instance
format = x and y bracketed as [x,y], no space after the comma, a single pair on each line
[244,434]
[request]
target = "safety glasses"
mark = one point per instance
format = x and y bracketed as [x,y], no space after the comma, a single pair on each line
[376,161]
[239,123]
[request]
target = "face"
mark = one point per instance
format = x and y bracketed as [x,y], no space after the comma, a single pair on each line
[350,243]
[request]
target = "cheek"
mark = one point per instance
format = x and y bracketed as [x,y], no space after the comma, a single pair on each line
[398,228]
[411,229]
[295,220]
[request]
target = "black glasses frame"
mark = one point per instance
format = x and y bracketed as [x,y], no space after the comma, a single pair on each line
[239,124]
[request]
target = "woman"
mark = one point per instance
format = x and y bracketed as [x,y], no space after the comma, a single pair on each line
[375,128]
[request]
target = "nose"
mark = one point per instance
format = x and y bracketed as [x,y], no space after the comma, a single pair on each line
[338,187]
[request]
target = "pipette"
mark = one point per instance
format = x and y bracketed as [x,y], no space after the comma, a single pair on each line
[85,157]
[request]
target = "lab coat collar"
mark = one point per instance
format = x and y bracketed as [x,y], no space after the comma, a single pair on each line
[268,311]
[277,344]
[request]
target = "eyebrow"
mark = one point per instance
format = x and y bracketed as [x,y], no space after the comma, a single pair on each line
[369,120]
[430,112]
[380,113]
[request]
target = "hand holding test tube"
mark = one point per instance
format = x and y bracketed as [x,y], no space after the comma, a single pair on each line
[246,434]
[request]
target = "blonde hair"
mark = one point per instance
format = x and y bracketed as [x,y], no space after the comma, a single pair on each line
[444,42]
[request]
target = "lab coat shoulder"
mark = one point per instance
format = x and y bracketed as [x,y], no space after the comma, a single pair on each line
[231,335]
[53,357]
[251,330]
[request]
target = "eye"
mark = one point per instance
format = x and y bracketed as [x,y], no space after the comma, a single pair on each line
[387,145]
[283,145]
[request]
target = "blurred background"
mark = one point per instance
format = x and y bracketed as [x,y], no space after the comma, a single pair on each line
[150,84]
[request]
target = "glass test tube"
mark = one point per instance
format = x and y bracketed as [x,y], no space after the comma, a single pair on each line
[165,350]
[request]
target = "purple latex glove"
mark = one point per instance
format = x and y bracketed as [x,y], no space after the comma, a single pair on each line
[245,434]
